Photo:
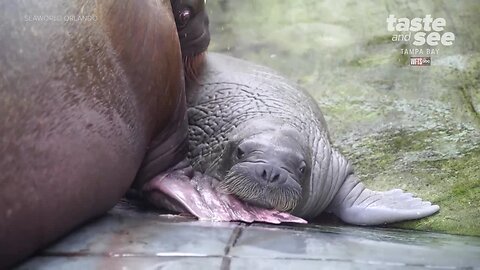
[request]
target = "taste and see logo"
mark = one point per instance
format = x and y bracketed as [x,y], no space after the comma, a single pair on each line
[426,31]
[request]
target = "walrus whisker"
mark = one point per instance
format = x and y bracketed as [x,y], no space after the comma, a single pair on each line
[238,184]
[213,164]
[282,198]
[192,66]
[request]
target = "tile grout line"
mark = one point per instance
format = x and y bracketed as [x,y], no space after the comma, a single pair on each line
[236,233]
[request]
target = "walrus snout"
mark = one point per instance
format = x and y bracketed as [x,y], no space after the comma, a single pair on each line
[271,174]
[262,185]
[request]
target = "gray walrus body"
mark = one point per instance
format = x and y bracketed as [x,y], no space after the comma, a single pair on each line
[237,99]
[266,142]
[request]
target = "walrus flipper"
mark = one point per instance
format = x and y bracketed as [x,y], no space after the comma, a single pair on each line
[358,205]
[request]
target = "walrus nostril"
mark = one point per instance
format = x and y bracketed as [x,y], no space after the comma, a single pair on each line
[275,177]
[264,175]
[270,174]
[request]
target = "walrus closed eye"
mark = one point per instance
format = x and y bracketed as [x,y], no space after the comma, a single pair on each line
[192,23]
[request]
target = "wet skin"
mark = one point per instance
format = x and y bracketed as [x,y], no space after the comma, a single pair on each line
[80,104]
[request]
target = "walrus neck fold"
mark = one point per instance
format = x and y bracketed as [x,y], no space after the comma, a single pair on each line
[168,148]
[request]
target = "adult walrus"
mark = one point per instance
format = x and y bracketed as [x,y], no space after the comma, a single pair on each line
[255,135]
[86,87]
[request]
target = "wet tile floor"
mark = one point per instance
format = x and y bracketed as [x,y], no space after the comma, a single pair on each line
[130,239]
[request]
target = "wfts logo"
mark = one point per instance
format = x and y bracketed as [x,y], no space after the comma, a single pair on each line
[420,61]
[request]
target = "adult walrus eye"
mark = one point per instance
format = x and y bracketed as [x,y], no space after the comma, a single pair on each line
[184,17]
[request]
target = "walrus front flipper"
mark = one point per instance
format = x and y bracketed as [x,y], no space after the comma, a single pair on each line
[358,205]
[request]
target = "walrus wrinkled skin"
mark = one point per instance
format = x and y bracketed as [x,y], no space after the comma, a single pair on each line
[81,100]
[266,142]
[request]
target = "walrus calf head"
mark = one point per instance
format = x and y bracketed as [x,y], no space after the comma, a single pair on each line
[265,164]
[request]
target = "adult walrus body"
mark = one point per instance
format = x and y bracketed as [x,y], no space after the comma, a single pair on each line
[86,87]
[266,142]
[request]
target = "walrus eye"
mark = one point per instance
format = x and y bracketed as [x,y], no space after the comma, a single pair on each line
[184,17]
[240,153]
[302,169]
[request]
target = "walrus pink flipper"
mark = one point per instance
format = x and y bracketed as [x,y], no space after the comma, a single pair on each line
[183,190]
[358,205]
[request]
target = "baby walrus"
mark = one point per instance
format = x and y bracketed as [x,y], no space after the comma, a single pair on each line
[259,147]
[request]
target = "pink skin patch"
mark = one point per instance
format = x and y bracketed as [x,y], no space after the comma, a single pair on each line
[186,191]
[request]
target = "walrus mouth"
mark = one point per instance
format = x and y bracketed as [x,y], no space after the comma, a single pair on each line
[193,65]
[282,198]
[187,191]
